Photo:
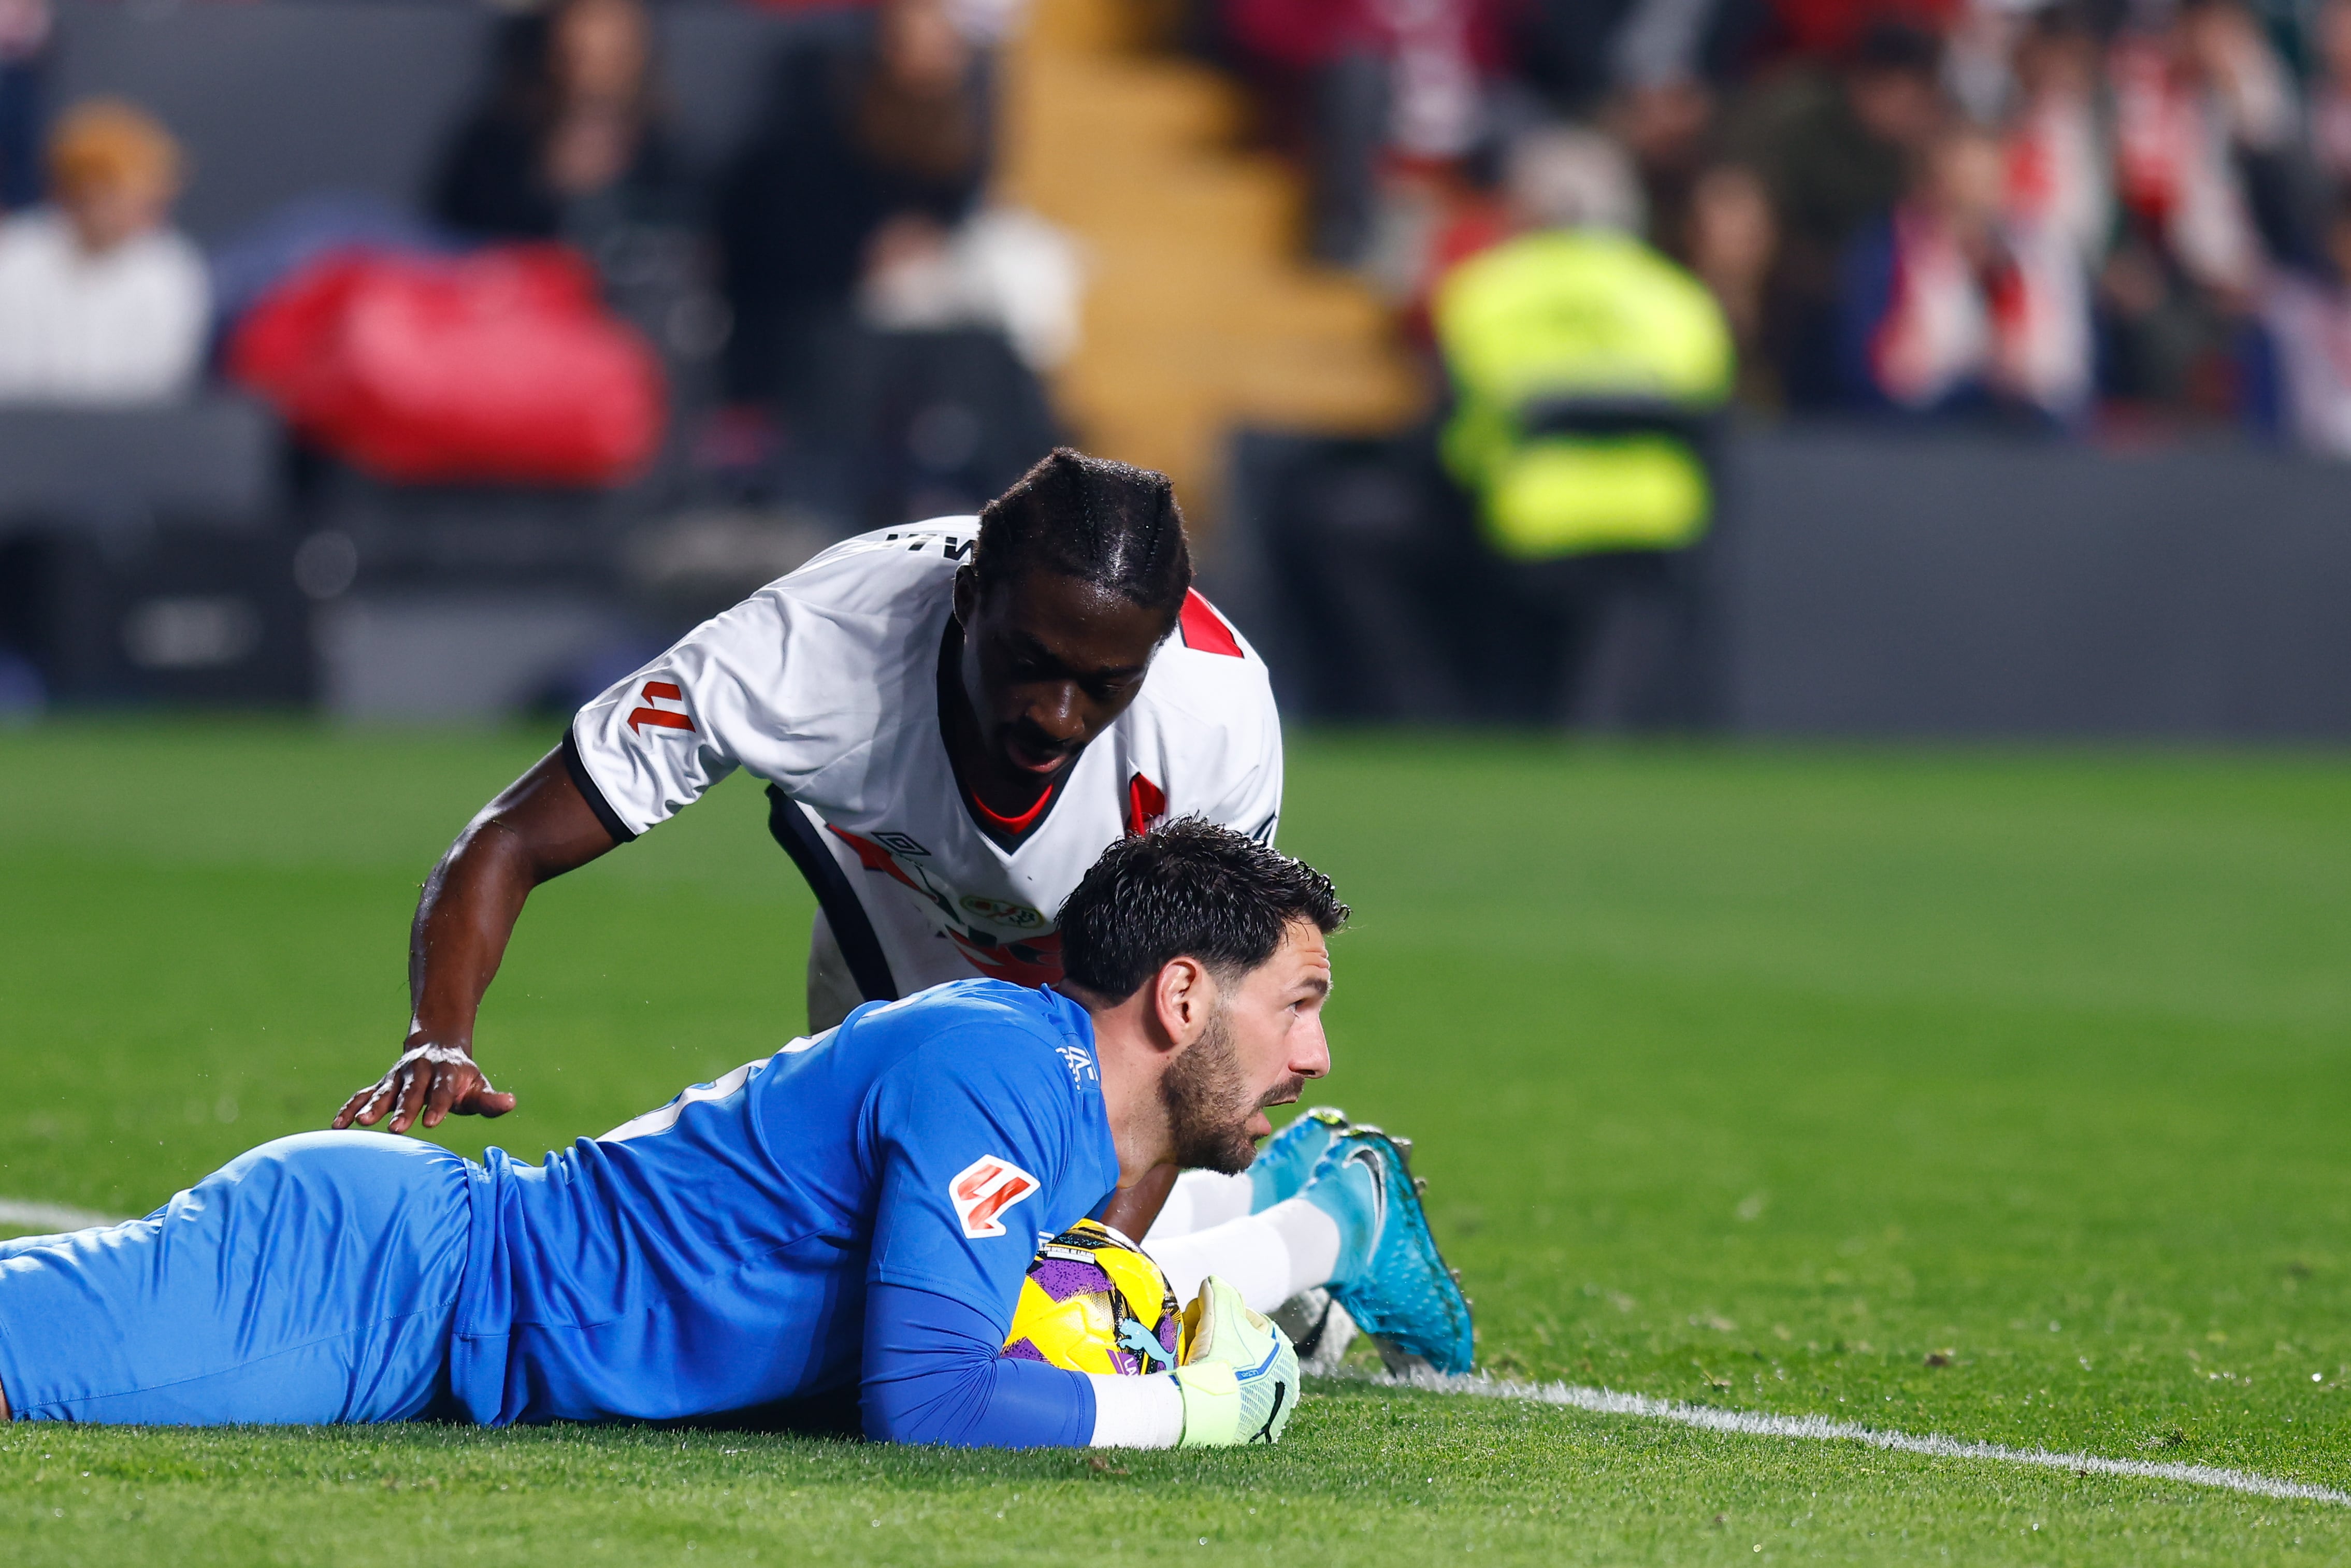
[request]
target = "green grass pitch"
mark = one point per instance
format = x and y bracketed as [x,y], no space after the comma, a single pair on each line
[2000,1095]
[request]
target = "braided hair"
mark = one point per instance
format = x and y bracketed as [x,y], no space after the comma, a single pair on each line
[1105,523]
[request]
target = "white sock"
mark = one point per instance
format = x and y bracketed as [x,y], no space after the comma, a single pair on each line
[1137,1412]
[1267,1258]
[1202,1198]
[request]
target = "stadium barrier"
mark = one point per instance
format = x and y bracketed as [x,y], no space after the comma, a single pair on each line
[141,558]
[1860,581]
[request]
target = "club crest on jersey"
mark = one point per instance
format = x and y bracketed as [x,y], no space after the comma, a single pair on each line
[986,1188]
[652,711]
[1002,910]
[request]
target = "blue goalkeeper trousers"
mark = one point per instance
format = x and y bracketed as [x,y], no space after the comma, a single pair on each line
[311,1279]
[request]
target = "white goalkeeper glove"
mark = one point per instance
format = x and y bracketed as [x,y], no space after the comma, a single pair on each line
[1239,1377]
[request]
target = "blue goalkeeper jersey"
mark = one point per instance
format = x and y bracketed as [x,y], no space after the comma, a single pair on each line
[716,1253]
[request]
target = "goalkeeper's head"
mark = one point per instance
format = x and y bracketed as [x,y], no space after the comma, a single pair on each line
[1202,955]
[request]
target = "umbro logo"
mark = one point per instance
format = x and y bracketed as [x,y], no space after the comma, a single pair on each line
[899,844]
[986,1188]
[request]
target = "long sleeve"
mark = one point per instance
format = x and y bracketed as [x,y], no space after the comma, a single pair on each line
[932,1374]
[935,1373]
[981,1145]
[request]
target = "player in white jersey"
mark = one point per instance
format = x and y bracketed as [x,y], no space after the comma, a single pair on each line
[954,719]
[834,686]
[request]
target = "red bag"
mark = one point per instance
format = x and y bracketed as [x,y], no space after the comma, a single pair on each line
[502,365]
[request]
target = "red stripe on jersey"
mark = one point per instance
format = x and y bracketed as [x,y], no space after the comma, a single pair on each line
[1145,804]
[664,689]
[1204,630]
[873,856]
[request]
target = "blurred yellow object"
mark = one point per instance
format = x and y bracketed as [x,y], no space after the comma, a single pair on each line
[1582,318]
[1560,497]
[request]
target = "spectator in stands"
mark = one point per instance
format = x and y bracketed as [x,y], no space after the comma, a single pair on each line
[2059,147]
[1585,369]
[571,138]
[2330,106]
[1668,127]
[1948,306]
[24,37]
[2208,176]
[2309,322]
[1731,241]
[1836,151]
[102,300]
[1379,100]
[867,157]
[2251,99]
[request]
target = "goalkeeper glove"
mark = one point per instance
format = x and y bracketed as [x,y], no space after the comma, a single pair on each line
[1239,1377]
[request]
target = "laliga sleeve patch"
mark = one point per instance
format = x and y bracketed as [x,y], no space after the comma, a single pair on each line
[986,1188]
[664,707]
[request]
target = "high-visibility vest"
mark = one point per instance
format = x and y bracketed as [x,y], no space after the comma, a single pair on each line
[1579,316]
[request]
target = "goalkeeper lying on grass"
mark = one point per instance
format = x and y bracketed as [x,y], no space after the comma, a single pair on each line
[860,1210]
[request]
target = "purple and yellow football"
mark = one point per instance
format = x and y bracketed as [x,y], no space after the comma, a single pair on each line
[1095,1303]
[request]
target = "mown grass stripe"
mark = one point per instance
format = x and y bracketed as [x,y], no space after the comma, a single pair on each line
[1821,1428]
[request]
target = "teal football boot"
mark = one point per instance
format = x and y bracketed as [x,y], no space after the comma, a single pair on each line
[1282,1168]
[1391,1280]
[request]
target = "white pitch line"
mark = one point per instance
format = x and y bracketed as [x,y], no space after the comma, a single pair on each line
[21,1214]
[1820,1429]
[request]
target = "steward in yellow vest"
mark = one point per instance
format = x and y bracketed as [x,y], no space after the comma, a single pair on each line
[1584,366]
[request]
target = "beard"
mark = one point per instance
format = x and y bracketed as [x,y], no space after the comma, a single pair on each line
[1208,1103]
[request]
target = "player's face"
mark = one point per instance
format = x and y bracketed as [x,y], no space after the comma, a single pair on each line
[1049,661]
[1262,1042]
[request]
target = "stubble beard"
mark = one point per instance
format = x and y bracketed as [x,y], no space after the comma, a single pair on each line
[1208,1103]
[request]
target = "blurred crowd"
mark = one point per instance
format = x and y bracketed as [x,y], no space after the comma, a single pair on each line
[841,313]
[1603,225]
[2114,214]
[2133,214]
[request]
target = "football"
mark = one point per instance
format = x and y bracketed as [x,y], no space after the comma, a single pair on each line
[1093,1302]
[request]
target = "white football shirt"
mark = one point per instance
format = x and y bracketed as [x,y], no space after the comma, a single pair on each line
[825,683]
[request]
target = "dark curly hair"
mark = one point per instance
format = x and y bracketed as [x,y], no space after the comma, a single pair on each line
[1188,889]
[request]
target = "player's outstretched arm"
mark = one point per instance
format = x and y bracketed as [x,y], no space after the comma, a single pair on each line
[934,1372]
[540,826]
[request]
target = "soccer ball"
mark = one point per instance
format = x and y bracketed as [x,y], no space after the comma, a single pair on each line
[1094,1302]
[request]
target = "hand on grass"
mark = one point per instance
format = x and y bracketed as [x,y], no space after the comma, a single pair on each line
[436,1081]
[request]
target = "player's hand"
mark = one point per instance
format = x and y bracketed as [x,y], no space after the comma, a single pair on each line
[431,1081]
[1239,1377]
